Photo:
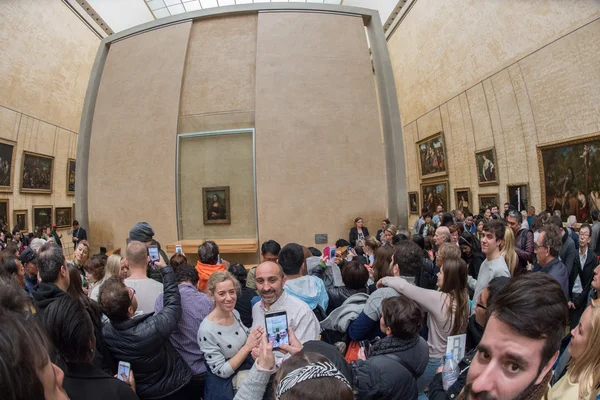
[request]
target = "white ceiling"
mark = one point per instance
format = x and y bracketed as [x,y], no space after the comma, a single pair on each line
[124,14]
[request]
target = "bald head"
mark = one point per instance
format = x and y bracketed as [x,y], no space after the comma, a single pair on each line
[137,254]
[442,235]
[269,279]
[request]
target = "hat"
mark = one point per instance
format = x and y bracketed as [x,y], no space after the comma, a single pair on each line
[142,232]
[28,255]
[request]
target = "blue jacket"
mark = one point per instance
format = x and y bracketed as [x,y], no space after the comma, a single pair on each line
[560,272]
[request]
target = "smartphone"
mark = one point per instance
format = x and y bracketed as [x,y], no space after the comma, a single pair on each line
[178,249]
[153,253]
[124,368]
[366,345]
[332,253]
[219,259]
[277,328]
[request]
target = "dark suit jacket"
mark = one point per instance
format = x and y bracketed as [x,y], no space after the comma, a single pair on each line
[354,235]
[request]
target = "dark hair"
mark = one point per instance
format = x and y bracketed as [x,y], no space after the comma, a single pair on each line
[208,252]
[495,286]
[552,239]
[315,252]
[187,273]
[12,246]
[75,222]
[355,275]
[419,240]
[291,258]
[381,265]
[70,329]
[341,243]
[556,221]
[10,265]
[403,316]
[423,211]
[177,260]
[534,306]
[585,225]
[95,267]
[496,227]
[357,219]
[409,257]
[595,215]
[328,388]
[270,246]
[22,344]
[536,223]
[240,273]
[427,215]
[114,299]
[447,219]
[428,243]
[397,238]
[455,285]
[50,261]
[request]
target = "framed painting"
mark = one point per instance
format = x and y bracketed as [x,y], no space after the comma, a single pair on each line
[42,217]
[462,197]
[413,202]
[215,201]
[4,222]
[20,218]
[37,173]
[435,194]
[63,217]
[71,176]
[518,196]
[7,164]
[488,200]
[570,176]
[487,172]
[432,156]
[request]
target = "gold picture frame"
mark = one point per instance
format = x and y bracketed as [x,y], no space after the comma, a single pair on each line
[216,211]
[7,165]
[461,192]
[21,219]
[41,217]
[434,194]
[413,203]
[31,176]
[71,168]
[5,215]
[487,172]
[430,167]
[488,200]
[63,217]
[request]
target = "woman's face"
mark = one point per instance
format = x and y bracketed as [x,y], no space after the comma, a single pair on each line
[48,231]
[225,295]
[215,197]
[428,220]
[440,276]
[90,277]
[383,225]
[480,226]
[81,253]
[359,224]
[454,237]
[581,334]
[20,272]
[124,269]
[488,213]
[387,236]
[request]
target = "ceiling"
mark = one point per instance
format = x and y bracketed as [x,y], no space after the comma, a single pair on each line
[124,14]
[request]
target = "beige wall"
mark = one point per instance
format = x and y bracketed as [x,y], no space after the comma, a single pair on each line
[47,56]
[512,76]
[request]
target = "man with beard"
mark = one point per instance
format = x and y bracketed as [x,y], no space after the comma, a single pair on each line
[525,325]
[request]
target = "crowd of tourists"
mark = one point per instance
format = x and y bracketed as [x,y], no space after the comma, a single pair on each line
[366,318]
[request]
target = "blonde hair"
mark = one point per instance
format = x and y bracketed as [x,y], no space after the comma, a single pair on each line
[507,250]
[585,370]
[113,265]
[372,243]
[392,229]
[222,276]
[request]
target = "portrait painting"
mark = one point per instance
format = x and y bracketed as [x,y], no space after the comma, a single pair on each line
[42,217]
[71,176]
[463,200]
[62,217]
[4,223]
[20,218]
[37,173]
[487,172]
[413,202]
[570,177]
[518,196]
[216,205]
[432,156]
[7,163]
[487,201]
[435,194]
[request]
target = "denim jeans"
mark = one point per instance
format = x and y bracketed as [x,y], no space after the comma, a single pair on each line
[425,379]
[217,388]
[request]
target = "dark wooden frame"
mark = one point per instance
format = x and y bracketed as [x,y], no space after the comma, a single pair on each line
[489,183]
[9,188]
[8,226]
[429,139]
[56,216]
[28,190]
[496,195]
[24,212]
[456,201]
[33,221]
[413,212]
[205,206]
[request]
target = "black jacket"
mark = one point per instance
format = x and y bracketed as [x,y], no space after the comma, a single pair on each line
[81,234]
[44,294]
[474,333]
[474,262]
[244,305]
[436,387]
[86,382]
[426,277]
[559,271]
[354,235]
[586,274]
[143,341]
[382,376]
[338,295]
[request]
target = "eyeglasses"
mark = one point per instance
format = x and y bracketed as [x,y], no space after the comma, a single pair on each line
[131,292]
[537,246]
[481,306]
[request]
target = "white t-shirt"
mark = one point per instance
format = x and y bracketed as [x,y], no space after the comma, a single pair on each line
[146,292]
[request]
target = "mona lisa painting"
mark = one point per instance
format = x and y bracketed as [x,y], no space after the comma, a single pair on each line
[216,205]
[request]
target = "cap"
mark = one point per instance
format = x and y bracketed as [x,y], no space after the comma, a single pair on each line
[28,255]
[142,232]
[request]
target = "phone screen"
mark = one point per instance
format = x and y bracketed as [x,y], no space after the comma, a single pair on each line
[178,248]
[124,368]
[153,253]
[331,253]
[277,326]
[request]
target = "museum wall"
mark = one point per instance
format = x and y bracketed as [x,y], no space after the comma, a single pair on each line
[47,57]
[509,76]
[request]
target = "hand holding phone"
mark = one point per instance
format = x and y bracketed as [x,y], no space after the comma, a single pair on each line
[123,372]
[178,249]
[153,253]
[277,328]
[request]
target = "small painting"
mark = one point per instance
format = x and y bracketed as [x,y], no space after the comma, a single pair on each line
[216,205]
[487,201]
[62,217]
[435,194]
[20,217]
[37,173]
[570,177]
[4,223]
[518,196]
[7,165]
[42,217]
[487,172]
[463,200]
[71,176]
[413,202]
[432,156]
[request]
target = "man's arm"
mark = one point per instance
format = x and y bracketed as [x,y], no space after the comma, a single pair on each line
[83,234]
[165,321]
[307,326]
[526,254]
